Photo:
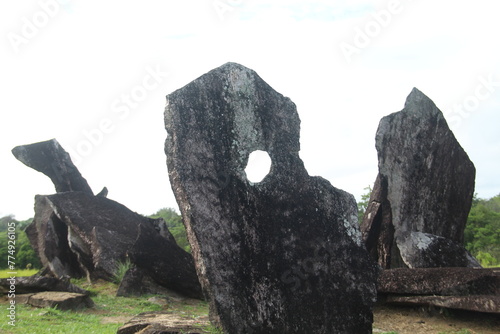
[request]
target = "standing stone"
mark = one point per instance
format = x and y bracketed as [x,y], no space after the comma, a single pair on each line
[419,206]
[49,158]
[284,255]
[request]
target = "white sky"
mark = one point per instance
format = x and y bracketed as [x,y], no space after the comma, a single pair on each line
[73,67]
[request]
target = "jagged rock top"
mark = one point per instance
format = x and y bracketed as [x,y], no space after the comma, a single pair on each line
[49,158]
[283,255]
[429,182]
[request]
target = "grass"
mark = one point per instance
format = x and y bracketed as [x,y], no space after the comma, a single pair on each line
[121,269]
[107,316]
[19,273]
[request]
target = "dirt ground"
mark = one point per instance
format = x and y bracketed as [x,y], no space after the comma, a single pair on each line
[412,320]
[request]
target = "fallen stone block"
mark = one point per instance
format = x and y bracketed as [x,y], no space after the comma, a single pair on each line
[161,322]
[36,283]
[487,304]
[60,300]
[80,235]
[440,281]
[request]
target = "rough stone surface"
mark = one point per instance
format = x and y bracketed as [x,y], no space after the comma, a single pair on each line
[51,159]
[487,304]
[471,289]
[440,281]
[76,234]
[423,192]
[137,283]
[281,256]
[38,283]
[165,323]
[60,300]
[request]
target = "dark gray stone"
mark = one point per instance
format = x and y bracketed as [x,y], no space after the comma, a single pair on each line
[440,281]
[486,304]
[164,323]
[423,192]
[281,256]
[76,234]
[175,271]
[61,300]
[49,158]
[37,283]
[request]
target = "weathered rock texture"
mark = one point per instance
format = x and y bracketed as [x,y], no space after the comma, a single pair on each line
[37,283]
[60,300]
[281,256]
[471,289]
[161,322]
[76,234]
[440,281]
[486,304]
[423,193]
[51,159]
[136,282]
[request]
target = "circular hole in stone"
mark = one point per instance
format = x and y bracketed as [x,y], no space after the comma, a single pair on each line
[258,166]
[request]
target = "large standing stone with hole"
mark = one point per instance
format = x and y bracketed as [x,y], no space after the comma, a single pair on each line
[422,196]
[281,256]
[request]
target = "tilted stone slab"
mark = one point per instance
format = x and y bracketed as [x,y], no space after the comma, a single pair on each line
[49,158]
[76,234]
[421,200]
[281,256]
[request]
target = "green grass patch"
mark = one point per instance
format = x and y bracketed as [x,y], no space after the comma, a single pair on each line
[121,269]
[110,313]
[4,273]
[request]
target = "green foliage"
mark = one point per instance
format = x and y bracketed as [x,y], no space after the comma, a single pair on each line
[461,331]
[5,273]
[363,204]
[175,226]
[211,329]
[121,269]
[482,233]
[21,250]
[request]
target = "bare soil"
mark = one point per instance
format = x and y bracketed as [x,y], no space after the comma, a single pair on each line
[412,320]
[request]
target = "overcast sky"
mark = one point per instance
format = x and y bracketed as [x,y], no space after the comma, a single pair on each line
[94,75]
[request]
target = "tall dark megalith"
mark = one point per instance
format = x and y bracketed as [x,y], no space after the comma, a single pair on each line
[284,255]
[423,193]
